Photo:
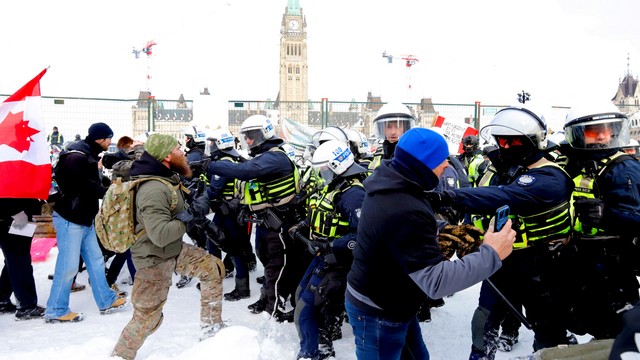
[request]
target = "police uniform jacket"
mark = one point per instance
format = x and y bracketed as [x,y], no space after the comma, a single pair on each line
[536,190]
[264,167]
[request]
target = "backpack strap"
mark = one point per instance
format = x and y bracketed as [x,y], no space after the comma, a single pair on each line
[174,194]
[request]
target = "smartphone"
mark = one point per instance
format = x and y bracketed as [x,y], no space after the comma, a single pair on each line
[502,215]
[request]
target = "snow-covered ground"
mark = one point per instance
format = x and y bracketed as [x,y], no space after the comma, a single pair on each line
[248,336]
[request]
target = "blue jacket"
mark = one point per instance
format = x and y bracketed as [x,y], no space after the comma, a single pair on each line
[266,166]
[535,191]
[397,259]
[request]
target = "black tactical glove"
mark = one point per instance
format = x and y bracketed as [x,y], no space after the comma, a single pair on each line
[463,239]
[589,211]
[195,213]
[214,234]
[300,227]
[230,207]
[243,216]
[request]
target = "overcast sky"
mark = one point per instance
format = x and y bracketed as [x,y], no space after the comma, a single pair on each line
[561,51]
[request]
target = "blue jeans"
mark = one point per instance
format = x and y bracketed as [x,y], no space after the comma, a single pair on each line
[74,241]
[377,338]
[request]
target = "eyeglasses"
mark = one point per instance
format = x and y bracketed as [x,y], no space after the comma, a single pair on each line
[511,141]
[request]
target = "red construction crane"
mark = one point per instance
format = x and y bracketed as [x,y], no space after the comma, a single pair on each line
[148,50]
[409,60]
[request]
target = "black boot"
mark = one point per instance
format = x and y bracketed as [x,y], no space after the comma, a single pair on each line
[184,281]
[259,306]
[281,316]
[240,292]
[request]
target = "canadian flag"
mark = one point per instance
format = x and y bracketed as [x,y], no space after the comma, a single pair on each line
[25,166]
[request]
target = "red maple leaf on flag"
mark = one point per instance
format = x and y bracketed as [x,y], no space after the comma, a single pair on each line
[15,132]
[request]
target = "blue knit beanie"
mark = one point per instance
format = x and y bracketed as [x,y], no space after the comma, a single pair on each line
[419,148]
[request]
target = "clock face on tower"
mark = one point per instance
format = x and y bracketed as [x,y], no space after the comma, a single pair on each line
[293,25]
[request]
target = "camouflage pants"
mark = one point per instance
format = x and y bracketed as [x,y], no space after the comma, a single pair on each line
[150,289]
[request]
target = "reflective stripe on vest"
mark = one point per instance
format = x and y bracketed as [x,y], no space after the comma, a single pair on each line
[229,188]
[551,224]
[584,187]
[324,219]
[274,191]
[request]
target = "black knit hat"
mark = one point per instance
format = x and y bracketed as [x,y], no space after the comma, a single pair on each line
[99,131]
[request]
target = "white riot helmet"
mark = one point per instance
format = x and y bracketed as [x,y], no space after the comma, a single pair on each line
[596,127]
[329,133]
[359,141]
[256,129]
[632,148]
[516,122]
[194,136]
[291,152]
[332,158]
[144,136]
[395,117]
[221,138]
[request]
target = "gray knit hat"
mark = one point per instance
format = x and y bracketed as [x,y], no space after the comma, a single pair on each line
[160,145]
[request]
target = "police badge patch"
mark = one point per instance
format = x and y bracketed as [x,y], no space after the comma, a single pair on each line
[451,182]
[526,180]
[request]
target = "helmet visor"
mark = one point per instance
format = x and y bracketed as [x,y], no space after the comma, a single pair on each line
[596,135]
[251,138]
[392,128]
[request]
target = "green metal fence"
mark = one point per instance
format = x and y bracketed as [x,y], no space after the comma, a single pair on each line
[132,117]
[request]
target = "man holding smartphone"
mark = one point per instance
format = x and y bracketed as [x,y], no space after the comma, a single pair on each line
[537,192]
[397,261]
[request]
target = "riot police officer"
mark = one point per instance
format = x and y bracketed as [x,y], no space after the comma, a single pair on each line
[269,184]
[329,232]
[606,200]
[537,192]
[225,204]
[471,157]
[392,120]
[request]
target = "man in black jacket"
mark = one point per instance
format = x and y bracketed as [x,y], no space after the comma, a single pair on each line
[397,260]
[78,178]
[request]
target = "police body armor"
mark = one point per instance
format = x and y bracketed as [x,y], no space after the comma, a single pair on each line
[586,187]
[548,225]
[324,220]
[274,193]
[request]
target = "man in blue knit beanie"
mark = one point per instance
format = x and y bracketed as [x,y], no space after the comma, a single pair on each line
[397,259]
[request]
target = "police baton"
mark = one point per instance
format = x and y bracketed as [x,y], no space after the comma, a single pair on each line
[512,308]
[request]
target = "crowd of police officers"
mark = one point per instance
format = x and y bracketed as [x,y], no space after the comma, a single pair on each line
[575,206]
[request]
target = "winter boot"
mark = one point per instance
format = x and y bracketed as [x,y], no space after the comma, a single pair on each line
[282,316]
[259,306]
[506,341]
[7,307]
[184,281]
[36,312]
[325,345]
[240,292]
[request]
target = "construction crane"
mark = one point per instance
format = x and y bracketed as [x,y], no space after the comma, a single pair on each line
[148,50]
[409,61]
